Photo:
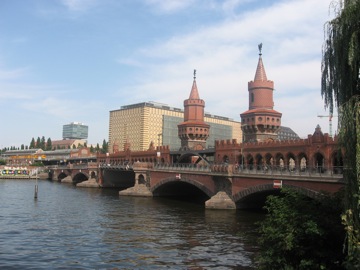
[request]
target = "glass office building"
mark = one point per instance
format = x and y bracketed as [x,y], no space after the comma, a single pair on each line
[75,130]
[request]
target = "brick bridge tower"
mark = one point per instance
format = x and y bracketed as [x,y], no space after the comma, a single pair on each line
[261,122]
[193,132]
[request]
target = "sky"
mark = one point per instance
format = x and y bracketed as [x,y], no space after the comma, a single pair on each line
[64,61]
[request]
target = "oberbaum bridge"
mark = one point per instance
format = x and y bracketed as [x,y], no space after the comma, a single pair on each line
[231,175]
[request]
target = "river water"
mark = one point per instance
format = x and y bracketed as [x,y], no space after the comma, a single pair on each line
[80,228]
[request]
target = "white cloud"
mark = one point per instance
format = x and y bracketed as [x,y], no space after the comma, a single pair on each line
[225,56]
[79,5]
[169,6]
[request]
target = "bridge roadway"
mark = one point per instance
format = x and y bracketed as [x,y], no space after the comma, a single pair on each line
[219,186]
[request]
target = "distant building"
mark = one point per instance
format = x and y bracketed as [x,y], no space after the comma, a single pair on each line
[143,123]
[67,144]
[286,133]
[75,130]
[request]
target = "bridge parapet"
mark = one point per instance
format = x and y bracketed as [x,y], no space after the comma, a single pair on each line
[116,166]
[182,167]
[291,171]
[318,174]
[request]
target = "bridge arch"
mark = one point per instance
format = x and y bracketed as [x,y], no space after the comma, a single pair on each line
[291,161]
[269,159]
[337,162]
[79,177]
[279,160]
[259,161]
[319,161]
[250,161]
[303,161]
[93,174]
[256,196]
[141,179]
[61,176]
[156,188]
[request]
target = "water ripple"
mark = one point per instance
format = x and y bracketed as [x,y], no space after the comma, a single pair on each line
[70,228]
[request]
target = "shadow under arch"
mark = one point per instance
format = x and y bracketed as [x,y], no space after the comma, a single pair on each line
[79,177]
[61,176]
[171,180]
[255,197]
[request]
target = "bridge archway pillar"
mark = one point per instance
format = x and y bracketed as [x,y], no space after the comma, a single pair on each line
[141,187]
[222,199]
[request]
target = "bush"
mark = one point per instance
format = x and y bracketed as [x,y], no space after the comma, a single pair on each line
[301,233]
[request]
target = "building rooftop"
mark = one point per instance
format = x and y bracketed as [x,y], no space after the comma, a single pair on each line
[167,107]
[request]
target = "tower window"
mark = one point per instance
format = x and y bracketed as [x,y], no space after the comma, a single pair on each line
[252,97]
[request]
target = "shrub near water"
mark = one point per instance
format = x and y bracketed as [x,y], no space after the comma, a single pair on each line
[301,233]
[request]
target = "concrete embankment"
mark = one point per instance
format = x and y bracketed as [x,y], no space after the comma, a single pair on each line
[67,179]
[91,183]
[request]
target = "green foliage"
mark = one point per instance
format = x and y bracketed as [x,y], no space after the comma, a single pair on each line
[38,142]
[42,143]
[301,233]
[2,162]
[105,147]
[48,144]
[32,143]
[97,148]
[38,163]
[341,87]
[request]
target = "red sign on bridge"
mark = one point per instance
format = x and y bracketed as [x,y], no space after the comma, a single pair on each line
[277,184]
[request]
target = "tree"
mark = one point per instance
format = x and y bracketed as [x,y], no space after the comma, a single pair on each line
[49,144]
[32,143]
[42,143]
[97,148]
[340,87]
[38,142]
[105,147]
[301,233]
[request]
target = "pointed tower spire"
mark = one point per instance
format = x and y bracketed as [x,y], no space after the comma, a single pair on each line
[194,94]
[193,131]
[260,74]
[261,122]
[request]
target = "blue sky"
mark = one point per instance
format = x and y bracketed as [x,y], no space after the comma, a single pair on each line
[75,60]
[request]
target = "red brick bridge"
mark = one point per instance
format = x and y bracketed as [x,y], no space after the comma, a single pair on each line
[223,186]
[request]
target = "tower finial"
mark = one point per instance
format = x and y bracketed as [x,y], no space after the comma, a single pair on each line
[194,74]
[260,48]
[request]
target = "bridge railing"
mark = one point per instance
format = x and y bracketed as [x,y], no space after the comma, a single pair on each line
[183,167]
[335,172]
[116,166]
